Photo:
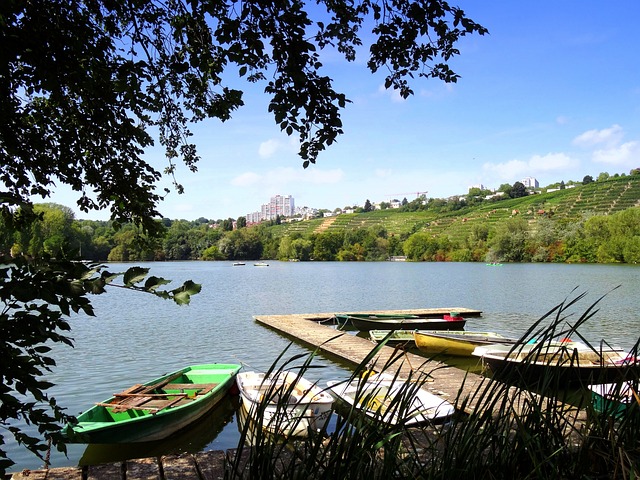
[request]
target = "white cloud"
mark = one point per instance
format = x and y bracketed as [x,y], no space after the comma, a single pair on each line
[608,136]
[246,179]
[269,148]
[536,165]
[626,154]
[382,172]
[281,178]
[392,93]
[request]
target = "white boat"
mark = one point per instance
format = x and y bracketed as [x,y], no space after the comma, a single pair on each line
[574,365]
[545,347]
[381,397]
[261,264]
[283,403]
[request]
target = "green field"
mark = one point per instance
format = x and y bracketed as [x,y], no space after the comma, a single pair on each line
[597,198]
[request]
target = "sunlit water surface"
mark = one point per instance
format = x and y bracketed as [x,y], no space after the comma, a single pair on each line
[135,337]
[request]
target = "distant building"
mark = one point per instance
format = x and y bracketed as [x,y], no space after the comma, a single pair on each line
[530,182]
[280,205]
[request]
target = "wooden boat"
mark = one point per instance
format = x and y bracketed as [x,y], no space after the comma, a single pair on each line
[382,398]
[284,403]
[547,346]
[570,366]
[157,409]
[396,337]
[614,398]
[461,343]
[366,322]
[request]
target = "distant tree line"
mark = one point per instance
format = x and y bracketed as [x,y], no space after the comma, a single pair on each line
[592,239]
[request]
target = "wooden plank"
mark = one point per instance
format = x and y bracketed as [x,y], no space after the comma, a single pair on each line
[111,471]
[65,473]
[27,474]
[179,467]
[143,469]
[150,395]
[211,464]
[203,387]
[120,409]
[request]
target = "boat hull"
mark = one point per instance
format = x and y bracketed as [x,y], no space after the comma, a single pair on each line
[104,424]
[614,399]
[373,322]
[379,399]
[284,404]
[567,367]
[458,343]
[396,337]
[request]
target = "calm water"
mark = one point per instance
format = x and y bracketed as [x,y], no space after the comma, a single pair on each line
[135,337]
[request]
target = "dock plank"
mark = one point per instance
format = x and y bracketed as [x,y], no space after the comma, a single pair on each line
[180,467]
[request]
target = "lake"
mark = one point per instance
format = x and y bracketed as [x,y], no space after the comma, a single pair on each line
[135,337]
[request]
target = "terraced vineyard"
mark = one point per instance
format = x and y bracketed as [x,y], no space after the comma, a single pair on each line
[597,198]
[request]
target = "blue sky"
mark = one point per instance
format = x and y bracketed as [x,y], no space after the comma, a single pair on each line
[553,92]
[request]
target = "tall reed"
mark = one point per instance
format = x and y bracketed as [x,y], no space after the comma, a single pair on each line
[507,428]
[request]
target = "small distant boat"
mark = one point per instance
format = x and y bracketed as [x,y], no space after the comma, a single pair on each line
[157,409]
[460,343]
[366,322]
[284,403]
[261,264]
[614,398]
[238,264]
[382,398]
[494,264]
[396,337]
[571,366]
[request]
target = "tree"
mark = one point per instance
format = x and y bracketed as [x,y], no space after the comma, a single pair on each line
[367,206]
[587,180]
[85,86]
[518,190]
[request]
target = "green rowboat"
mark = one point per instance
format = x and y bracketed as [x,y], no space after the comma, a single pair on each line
[157,409]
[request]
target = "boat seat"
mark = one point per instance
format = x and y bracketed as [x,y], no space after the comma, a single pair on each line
[202,387]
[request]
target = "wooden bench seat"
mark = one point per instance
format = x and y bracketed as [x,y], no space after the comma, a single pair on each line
[202,387]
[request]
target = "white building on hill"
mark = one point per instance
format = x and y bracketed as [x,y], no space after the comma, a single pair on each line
[530,182]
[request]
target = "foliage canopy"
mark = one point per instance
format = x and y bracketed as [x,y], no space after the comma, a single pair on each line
[87,86]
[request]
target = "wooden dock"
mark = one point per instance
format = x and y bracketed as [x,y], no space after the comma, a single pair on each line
[308,330]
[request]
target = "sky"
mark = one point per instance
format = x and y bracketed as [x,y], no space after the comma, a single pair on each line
[552,92]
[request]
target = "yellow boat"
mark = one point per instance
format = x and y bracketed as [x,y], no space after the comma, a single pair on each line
[460,343]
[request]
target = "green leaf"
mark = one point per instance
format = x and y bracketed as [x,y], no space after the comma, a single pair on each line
[135,275]
[154,282]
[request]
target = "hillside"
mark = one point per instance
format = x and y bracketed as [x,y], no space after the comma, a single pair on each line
[597,198]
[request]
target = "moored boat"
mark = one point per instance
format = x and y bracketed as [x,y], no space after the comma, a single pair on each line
[261,264]
[395,337]
[568,366]
[615,398]
[157,409]
[366,322]
[461,343]
[383,398]
[283,403]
